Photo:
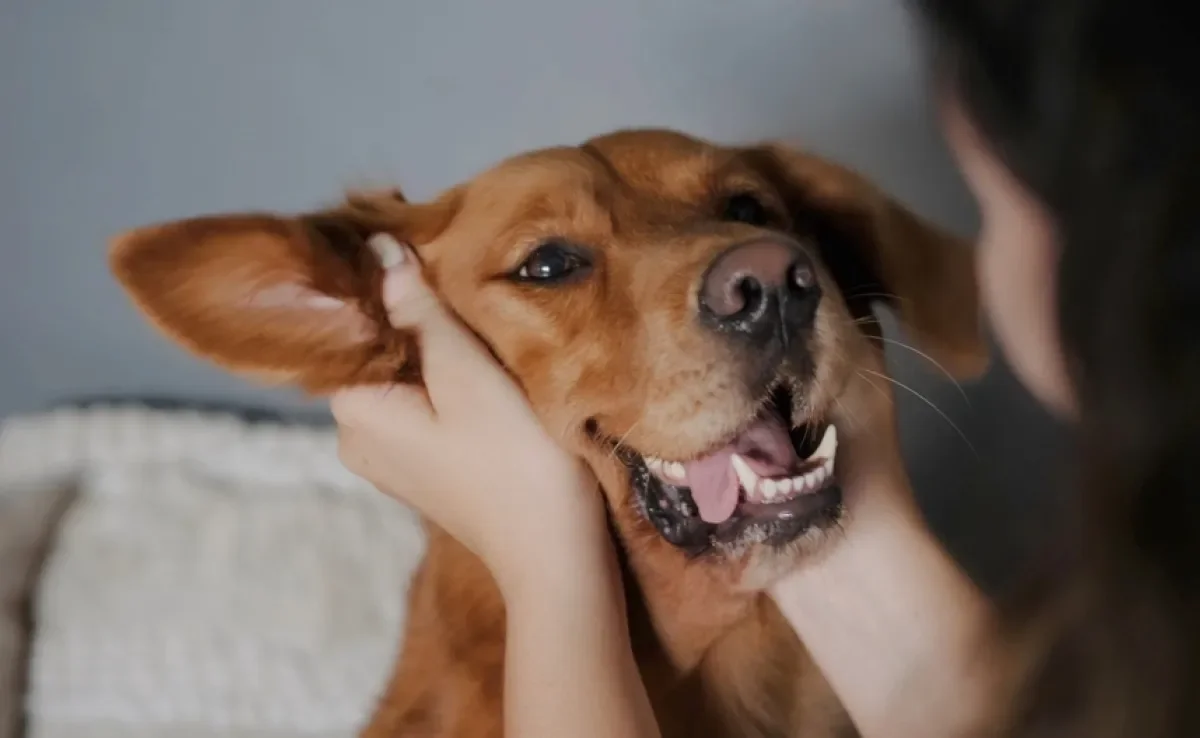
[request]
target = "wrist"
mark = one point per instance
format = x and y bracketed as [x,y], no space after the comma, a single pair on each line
[576,565]
[893,622]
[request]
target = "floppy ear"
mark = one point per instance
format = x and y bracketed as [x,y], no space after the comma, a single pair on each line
[880,251]
[282,299]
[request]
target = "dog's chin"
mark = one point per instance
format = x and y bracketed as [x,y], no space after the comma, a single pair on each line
[785,496]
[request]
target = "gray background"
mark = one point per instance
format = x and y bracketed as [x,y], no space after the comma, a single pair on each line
[114,113]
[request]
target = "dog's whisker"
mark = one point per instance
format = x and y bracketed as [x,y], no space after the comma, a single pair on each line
[881,296]
[621,441]
[932,405]
[930,359]
[875,387]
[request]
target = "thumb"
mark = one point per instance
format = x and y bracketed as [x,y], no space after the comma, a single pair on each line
[409,301]
[452,358]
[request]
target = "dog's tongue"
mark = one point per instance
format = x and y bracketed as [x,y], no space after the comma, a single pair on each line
[767,449]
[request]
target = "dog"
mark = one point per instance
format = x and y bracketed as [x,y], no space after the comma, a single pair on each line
[693,319]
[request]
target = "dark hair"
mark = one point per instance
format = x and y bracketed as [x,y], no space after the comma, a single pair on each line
[1095,107]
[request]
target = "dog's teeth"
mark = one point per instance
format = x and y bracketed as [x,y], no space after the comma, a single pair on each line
[828,445]
[767,488]
[654,463]
[797,485]
[674,470]
[813,480]
[784,486]
[822,473]
[745,475]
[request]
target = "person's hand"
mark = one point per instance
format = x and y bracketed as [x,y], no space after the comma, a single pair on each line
[466,449]
[870,466]
[895,626]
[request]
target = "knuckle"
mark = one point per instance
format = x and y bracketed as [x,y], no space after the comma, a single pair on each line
[349,455]
[344,406]
[351,462]
[415,310]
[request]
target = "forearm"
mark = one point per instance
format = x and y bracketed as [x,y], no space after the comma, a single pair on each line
[898,629]
[569,664]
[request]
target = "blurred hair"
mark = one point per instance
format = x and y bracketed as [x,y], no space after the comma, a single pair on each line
[1095,107]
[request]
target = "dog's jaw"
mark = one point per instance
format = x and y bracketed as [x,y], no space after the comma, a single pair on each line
[795,496]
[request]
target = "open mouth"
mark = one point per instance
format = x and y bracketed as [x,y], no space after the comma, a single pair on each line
[768,483]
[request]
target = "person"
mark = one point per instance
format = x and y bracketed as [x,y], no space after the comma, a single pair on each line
[1077,127]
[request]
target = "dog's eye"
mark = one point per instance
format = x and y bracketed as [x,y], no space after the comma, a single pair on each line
[746,208]
[551,262]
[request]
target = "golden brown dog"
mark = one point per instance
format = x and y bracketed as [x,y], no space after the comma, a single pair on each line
[691,318]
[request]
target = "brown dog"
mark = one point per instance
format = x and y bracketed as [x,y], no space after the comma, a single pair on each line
[692,319]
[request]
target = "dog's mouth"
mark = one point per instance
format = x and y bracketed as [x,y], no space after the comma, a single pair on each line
[768,483]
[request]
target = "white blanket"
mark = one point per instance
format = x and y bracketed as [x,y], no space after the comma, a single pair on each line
[213,578]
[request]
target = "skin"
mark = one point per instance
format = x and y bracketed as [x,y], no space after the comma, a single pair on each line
[1017,263]
[899,631]
[549,552]
[891,620]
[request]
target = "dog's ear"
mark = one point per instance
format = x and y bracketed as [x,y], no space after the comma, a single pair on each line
[283,299]
[880,251]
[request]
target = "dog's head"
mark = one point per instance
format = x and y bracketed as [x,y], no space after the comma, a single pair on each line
[694,319]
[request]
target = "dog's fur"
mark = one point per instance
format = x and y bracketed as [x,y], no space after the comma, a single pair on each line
[615,359]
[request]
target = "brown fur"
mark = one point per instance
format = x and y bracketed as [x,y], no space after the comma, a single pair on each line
[296,300]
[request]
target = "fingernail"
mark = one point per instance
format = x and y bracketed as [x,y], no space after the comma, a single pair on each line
[390,252]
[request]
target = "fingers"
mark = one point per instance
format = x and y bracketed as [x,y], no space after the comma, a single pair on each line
[355,453]
[374,423]
[399,411]
[455,364]
[406,296]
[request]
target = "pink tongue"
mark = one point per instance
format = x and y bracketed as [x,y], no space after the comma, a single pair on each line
[714,486]
[767,448]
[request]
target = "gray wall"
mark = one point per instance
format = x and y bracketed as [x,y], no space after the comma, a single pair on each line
[114,113]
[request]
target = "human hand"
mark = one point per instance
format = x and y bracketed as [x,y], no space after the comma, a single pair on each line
[466,449]
[870,468]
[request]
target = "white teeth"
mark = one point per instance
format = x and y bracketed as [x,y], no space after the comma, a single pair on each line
[812,480]
[766,490]
[769,490]
[745,474]
[828,445]
[674,470]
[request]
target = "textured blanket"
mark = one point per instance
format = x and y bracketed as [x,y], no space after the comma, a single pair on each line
[209,577]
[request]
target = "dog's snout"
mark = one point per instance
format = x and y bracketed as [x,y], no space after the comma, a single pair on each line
[766,285]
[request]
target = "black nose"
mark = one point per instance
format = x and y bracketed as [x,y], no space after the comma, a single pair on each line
[766,287]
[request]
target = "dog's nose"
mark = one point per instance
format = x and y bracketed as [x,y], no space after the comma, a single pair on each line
[766,284]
